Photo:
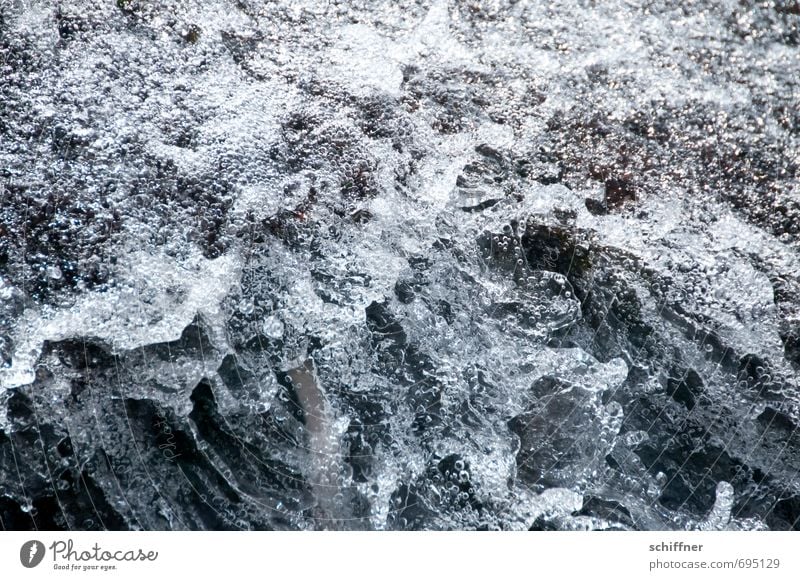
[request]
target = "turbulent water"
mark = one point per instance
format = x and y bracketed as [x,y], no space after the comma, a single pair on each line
[399,265]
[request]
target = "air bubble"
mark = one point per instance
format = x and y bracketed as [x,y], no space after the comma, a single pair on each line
[273,327]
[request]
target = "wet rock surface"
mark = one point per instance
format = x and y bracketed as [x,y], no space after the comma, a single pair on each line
[416,265]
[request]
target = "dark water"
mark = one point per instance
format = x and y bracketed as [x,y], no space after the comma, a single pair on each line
[399,265]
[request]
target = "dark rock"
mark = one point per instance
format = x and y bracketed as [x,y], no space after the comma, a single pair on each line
[409,512]
[606,509]
[786,514]
[193,342]
[618,192]
[6,350]
[191,34]
[65,447]
[480,206]
[788,7]
[543,524]
[692,471]
[81,354]
[758,377]
[774,419]
[383,324]
[404,292]
[234,375]
[596,207]
[686,388]
[554,434]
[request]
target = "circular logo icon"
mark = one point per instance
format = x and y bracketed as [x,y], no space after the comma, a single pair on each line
[31,553]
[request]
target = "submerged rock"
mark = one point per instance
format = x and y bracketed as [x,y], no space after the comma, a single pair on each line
[302,265]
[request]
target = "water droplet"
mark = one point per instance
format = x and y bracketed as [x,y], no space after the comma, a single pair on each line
[273,327]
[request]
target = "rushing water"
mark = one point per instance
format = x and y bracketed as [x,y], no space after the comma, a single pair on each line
[399,265]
